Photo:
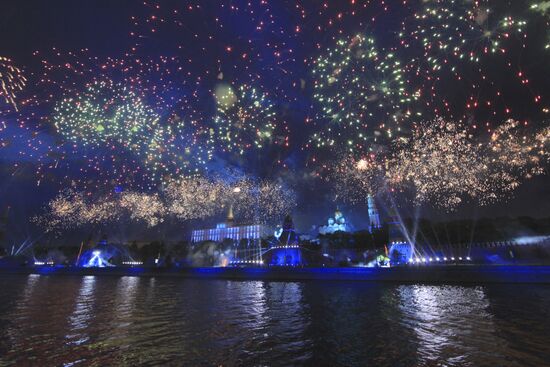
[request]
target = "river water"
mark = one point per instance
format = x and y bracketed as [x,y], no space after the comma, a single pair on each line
[129,321]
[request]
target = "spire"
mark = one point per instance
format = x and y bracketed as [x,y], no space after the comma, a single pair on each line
[288,236]
[288,223]
[230,217]
[337,213]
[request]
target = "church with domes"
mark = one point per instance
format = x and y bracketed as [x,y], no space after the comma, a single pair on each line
[338,223]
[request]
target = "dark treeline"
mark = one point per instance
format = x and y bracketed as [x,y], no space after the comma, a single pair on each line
[358,240]
[424,231]
[475,231]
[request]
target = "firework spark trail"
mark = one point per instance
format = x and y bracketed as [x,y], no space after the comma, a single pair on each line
[12,81]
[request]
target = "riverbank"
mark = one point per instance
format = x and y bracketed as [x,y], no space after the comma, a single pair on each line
[430,274]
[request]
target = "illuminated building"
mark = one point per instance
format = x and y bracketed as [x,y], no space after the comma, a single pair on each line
[339,223]
[246,249]
[229,230]
[222,231]
[286,251]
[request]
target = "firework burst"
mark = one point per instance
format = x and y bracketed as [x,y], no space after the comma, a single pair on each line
[446,165]
[263,201]
[195,197]
[115,122]
[519,151]
[362,91]
[244,120]
[73,209]
[354,179]
[460,30]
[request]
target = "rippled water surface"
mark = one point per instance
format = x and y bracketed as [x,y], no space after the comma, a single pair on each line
[55,321]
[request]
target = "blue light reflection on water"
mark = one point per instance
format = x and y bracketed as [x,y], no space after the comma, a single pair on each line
[132,320]
[80,318]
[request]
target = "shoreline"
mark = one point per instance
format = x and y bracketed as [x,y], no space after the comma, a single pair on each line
[466,274]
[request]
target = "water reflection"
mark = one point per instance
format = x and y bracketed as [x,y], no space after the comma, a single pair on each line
[125,295]
[450,323]
[14,331]
[83,312]
[252,295]
[130,321]
[32,280]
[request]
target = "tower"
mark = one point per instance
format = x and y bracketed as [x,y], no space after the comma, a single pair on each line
[289,235]
[374,217]
[230,220]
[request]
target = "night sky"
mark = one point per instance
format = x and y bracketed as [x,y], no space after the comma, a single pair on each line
[479,65]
